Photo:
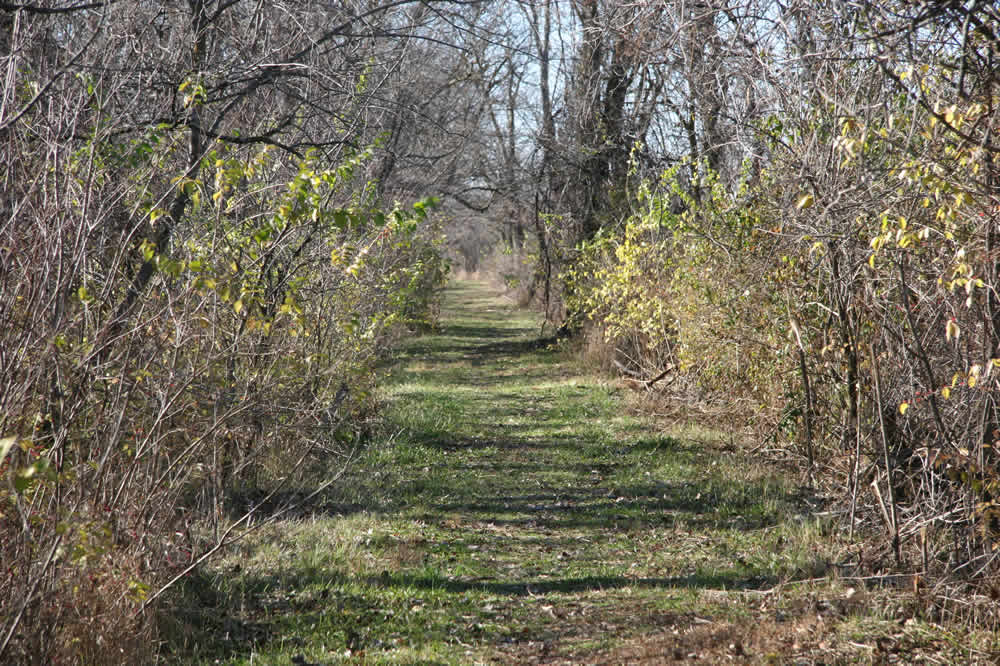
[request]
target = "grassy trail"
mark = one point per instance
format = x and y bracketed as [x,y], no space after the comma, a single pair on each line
[518,513]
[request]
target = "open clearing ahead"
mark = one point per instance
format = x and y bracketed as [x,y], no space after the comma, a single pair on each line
[516,511]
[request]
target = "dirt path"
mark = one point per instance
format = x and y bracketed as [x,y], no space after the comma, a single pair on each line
[518,513]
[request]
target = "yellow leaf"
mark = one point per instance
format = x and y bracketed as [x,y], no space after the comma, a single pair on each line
[951,330]
[903,406]
[805,201]
[974,373]
[6,444]
[946,392]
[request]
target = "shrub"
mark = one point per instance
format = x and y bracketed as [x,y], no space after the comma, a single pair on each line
[691,285]
[148,420]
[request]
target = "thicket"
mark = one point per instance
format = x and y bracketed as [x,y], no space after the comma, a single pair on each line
[839,287]
[251,352]
[198,276]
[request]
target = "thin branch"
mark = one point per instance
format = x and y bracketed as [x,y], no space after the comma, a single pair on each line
[7,124]
[48,11]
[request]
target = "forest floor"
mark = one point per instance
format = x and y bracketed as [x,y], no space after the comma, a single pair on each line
[518,510]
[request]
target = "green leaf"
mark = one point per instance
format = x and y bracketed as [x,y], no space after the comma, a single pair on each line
[22,480]
[28,475]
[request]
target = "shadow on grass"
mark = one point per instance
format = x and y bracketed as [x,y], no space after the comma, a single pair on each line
[533,463]
[577,497]
[480,332]
[206,624]
[733,580]
[503,343]
[622,509]
[357,614]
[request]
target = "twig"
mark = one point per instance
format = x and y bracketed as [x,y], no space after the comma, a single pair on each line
[225,539]
[857,465]
[626,370]
[891,517]
[881,504]
[669,369]
[922,356]
[31,593]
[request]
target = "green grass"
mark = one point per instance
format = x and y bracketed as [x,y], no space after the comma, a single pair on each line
[515,510]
